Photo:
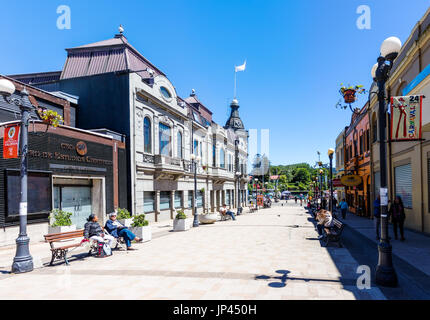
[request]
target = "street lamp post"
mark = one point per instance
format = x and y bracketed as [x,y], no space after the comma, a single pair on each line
[23,261]
[330,155]
[194,161]
[385,273]
[321,185]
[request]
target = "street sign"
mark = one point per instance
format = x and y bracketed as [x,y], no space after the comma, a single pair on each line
[11,142]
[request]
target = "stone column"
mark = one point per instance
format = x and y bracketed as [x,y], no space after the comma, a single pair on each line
[157,205]
[212,200]
[184,200]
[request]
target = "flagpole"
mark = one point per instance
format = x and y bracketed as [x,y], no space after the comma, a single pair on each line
[235,83]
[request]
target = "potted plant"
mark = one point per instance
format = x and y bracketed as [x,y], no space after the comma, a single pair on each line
[140,227]
[181,223]
[61,222]
[124,217]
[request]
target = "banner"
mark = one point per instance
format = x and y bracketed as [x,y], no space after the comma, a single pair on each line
[274,177]
[406,117]
[11,142]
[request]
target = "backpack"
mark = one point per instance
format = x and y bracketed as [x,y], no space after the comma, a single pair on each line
[103,250]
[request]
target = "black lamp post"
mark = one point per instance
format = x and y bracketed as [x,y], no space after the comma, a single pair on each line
[322,187]
[239,209]
[385,273]
[194,161]
[330,155]
[23,261]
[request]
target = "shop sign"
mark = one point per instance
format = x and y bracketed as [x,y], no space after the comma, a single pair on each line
[337,183]
[406,117]
[11,142]
[351,180]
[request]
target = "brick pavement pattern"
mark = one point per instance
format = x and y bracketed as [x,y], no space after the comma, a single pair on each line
[271,254]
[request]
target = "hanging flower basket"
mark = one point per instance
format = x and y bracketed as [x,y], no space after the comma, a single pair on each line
[349,96]
[51,118]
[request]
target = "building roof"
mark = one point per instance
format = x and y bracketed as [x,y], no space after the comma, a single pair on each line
[106,56]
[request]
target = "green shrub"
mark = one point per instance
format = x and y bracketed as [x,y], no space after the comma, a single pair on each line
[181,215]
[61,218]
[123,214]
[139,221]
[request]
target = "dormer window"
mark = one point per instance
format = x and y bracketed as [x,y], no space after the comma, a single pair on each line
[166,93]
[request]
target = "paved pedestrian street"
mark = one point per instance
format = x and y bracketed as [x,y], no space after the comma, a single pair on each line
[271,254]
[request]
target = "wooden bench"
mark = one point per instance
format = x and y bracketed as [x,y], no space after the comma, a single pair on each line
[334,233]
[64,237]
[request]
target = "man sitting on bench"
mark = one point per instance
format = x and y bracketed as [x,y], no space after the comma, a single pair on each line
[325,220]
[223,210]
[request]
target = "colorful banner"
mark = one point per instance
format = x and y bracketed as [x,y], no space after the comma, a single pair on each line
[11,142]
[406,117]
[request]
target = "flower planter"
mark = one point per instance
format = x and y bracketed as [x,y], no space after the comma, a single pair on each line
[126,222]
[144,233]
[208,218]
[349,96]
[181,224]
[61,229]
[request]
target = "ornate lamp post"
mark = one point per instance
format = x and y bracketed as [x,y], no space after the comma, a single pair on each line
[322,187]
[23,261]
[330,155]
[194,160]
[385,273]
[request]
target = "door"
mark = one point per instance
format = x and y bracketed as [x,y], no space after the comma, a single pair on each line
[74,199]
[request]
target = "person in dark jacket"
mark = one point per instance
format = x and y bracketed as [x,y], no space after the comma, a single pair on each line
[93,231]
[397,212]
[377,215]
[116,229]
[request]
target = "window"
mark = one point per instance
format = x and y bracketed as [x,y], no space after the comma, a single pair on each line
[403,184]
[148,201]
[367,140]
[164,200]
[196,147]
[165,93]
[222,158]
[178,199]
[147,135]
[190,199]
[374,130]
[214,155]
[164,136]
[39,193]
[199,199]
[361,143]
[179,144]
[227,198]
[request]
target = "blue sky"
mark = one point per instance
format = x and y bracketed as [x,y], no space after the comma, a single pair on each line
[297,52]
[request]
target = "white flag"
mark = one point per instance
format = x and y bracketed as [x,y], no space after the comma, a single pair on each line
[240,68]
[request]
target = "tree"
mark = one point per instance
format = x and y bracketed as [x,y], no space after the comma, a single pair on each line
[302,175]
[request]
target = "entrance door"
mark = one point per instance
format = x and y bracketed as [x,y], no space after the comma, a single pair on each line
[74,199]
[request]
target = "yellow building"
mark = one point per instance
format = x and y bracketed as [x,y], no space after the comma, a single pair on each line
[408,163]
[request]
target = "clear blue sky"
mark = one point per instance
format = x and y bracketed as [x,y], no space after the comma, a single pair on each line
[298,53]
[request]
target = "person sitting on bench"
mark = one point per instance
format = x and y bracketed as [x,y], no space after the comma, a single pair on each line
[116,229]
[223,210]
[93,231]
[325,220]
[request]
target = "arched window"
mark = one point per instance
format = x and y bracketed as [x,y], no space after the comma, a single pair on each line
[147,136]
[179,144]
[221,158]
[164,136]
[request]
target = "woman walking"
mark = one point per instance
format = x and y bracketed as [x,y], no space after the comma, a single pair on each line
[397,212]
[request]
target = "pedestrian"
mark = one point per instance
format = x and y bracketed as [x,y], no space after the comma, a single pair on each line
[377,215]
[223,210]
[397,212]
[343,208]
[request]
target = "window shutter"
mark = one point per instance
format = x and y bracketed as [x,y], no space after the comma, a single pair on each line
[403,184]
